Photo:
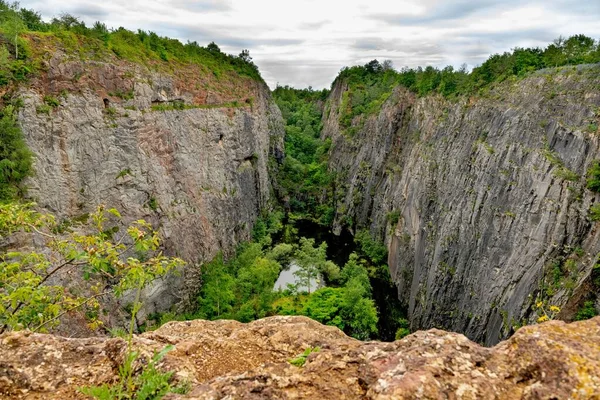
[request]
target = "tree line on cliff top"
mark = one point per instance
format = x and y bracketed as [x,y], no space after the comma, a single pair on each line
[141,46]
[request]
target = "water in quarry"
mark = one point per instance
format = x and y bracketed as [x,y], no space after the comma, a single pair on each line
[288,277]
[339,248]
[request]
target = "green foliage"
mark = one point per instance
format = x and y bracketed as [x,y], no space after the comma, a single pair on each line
[403,329]
[242,288]
[370,85]
[15,157]
[300,360]
[587,311]
[595,212]
[128,95]
[566,174]
[393,217]
[312,262]
[593,177]
[149,384]
[43,109]
[123,173]
[51,101]
[28,301]
[269,224]
[141,46]
[349,307]
[153,203]
[368,88]
[11,24]
[325,306]
[217,294]
[303,176]
[374,250]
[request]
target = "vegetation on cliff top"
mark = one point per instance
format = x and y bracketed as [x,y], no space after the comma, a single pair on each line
[370,85]
[143,47]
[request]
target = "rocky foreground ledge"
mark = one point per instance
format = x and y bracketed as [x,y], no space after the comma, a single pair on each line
[228,359]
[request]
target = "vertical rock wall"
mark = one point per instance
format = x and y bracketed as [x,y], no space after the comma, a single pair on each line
[154,145]
[488,194]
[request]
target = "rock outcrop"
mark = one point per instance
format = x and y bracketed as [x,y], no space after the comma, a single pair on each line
[228,359]
[171,144]
[482,201]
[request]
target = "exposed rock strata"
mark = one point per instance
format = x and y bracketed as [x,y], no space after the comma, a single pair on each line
[199,174]
[490,194]
[228,359]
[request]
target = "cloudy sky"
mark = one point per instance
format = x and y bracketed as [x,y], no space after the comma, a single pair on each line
[306,42]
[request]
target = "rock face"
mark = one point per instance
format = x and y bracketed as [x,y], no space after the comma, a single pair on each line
[481,201]
[177,148]
[228,359]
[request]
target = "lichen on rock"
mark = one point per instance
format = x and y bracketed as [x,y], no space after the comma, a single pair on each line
[228,359]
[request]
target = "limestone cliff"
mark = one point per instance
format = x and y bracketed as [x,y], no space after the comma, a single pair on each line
[228,359]
[481,200]
[166,142]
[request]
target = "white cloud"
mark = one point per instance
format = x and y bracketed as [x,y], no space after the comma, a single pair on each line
[304,43]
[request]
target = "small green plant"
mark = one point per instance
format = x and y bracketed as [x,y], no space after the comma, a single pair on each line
[393,217]
[51,101]
[128,95]
[587,311]
[153,204]
[403,329]
[151,383]
[595,212]
[566,174]
[593,177]
[592,128]
[111,111]
[123,173]
[510,214]
[552,157]
[300,360]
[43,109]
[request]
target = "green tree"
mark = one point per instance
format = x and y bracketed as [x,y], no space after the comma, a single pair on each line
[12,25]
[15,157]
[325,306]
[217,293]
[28,300]
[312,261]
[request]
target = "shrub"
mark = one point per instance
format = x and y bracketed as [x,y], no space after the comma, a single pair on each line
[403,329]
[393,217]
[15,157]
[51,101]
[587,311]
[595,212]
[593,177]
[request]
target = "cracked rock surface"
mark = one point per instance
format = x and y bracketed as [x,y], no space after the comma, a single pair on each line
[232,360]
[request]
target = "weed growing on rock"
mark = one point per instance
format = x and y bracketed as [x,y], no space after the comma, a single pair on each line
[300,360]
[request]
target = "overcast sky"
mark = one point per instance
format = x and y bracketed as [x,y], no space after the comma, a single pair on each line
[307,42]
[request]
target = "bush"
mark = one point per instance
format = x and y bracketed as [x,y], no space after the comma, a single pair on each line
[15,157]
[595,212]
[403,329]
[587,311]
[593,177]
[393,217]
